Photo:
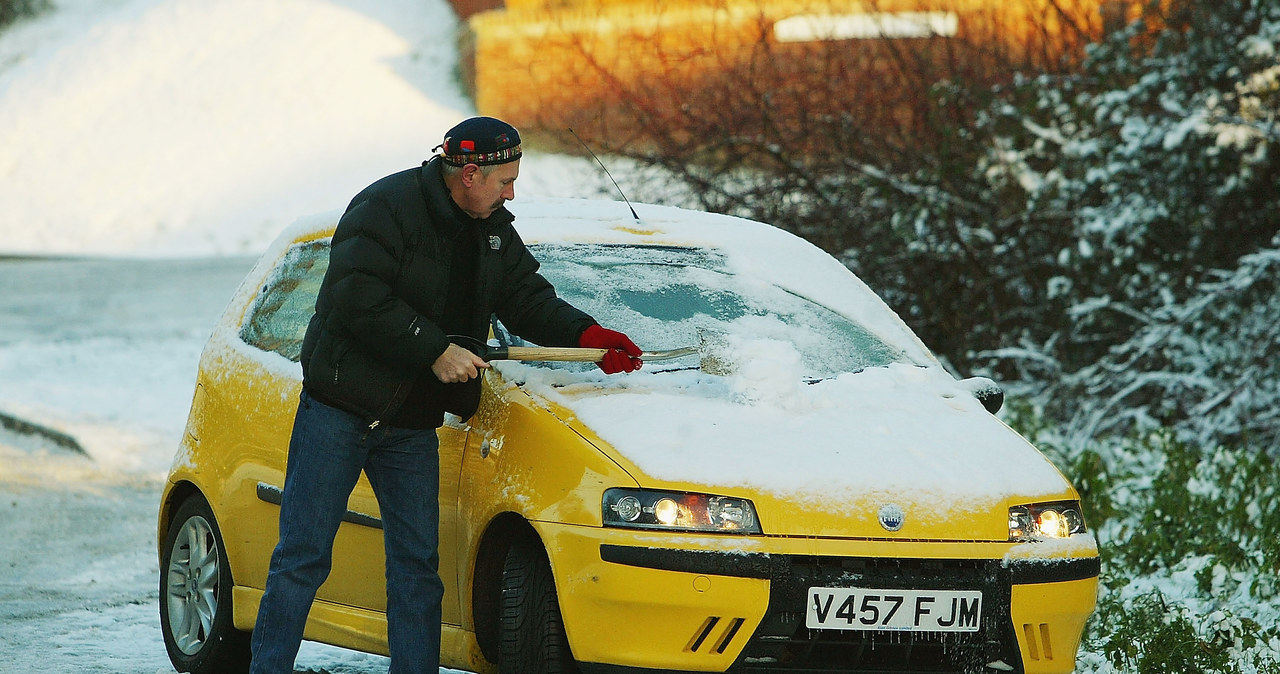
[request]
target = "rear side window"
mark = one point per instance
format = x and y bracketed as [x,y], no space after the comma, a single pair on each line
[278,319]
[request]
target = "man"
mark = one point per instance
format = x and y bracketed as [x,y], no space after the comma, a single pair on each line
[417,256]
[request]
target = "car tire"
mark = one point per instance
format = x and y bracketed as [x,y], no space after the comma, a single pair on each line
[195,595]
[532,630]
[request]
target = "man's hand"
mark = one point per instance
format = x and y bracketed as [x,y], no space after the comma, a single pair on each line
[622,355]
[457,365]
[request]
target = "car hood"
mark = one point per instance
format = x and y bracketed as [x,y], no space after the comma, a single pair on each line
[817,458]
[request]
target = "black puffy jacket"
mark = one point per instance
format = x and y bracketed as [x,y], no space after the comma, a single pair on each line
[375,326]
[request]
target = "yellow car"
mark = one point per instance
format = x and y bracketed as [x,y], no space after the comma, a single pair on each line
[805,489]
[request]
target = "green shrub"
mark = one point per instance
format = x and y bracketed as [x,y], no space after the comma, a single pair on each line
[1150,635]
[1190,542]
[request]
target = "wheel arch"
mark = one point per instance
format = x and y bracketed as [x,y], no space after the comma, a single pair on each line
[169,504]
[222,647]
[503,532]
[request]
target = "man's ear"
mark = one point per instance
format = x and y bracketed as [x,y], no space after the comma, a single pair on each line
[468,174]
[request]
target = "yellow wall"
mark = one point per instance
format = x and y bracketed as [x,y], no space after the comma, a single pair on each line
[546,62]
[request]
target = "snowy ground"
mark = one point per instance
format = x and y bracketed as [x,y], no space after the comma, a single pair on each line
[104,351]
[162,144]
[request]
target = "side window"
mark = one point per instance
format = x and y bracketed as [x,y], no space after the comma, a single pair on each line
[277,320]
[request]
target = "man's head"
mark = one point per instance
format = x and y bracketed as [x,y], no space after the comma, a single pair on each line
[480,160]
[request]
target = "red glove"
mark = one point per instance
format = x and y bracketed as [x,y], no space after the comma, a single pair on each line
[622,355]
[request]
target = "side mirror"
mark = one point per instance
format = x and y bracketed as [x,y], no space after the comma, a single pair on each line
[986,391]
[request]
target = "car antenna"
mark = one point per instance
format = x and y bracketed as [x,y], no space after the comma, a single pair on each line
[606,172]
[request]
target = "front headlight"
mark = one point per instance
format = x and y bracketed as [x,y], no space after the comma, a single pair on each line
[1038,521]
[649,509]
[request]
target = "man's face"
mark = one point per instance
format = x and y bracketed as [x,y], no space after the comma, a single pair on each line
[486,194]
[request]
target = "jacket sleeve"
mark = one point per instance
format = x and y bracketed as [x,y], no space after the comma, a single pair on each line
[528,304]
[365,260]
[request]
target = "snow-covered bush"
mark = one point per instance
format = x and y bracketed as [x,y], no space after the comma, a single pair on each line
[1190,544]
[11,10]
[1162,308]
[1206,366]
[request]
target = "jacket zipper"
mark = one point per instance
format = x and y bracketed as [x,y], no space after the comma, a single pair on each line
[369,429]
[376,422]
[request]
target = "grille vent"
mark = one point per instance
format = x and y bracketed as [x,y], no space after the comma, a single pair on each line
[1039,645]
[723,638]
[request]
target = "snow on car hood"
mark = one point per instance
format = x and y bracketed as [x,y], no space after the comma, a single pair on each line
[910,432]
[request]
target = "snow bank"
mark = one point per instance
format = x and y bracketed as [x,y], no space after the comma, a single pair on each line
[183,127]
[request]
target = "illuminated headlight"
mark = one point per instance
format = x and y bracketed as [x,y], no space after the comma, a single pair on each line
[647,509]
[1045,520]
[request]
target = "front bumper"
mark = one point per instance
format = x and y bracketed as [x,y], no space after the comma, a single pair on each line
[640,602]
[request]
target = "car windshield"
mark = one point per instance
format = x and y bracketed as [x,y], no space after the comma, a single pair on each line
[665,297]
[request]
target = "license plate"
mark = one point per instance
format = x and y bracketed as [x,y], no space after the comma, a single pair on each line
[854,608]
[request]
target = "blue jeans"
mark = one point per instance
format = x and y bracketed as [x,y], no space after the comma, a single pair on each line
[327,451]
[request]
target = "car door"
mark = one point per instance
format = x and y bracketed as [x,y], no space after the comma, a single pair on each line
[358,575]
[453,444]
[268,384]
[275,323]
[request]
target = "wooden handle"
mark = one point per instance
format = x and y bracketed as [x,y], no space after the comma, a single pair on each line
[561,354]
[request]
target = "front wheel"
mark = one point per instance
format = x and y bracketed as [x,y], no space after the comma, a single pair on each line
[195,595]
[533,638]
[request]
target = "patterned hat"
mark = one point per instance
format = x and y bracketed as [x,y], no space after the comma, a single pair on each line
[482,141]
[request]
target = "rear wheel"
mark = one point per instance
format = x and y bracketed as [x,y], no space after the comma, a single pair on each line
[533,638]
[195,595]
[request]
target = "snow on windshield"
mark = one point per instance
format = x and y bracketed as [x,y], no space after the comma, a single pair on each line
[751,251]
[668,297]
